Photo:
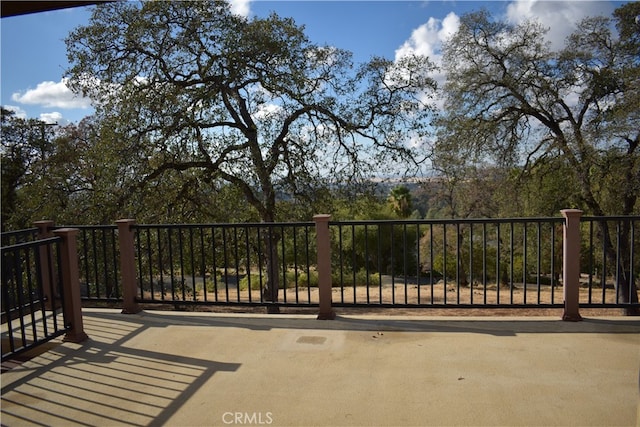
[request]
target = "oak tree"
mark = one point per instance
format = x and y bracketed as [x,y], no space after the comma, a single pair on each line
[514,101]
[189,86]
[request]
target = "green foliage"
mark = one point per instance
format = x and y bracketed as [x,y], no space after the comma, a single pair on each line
[494,154]
[361,278]
[243,285]
[383,248]
[26,148]
[360,206]
[470,253]
[303,280]
[192,76]
[503,92]
[400,201]
[69,174]
[566,120]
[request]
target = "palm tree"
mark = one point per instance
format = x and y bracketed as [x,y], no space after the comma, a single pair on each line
[400,200]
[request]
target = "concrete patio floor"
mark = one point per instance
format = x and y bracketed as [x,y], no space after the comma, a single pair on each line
[205,369]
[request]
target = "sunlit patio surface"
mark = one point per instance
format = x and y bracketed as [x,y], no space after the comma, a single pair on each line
[213,369]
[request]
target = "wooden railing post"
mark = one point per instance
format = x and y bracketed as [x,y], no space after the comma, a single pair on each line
[128,266]
[323,242]
[49,286]
[571,264]
[71,284]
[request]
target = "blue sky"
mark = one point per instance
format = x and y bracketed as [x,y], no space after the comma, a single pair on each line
[33,53]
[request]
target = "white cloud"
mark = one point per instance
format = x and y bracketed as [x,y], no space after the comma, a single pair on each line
[427,40]
[240,7]
[450,25]
[267,111]
[54,118]
[19,112]
[51,95]
[561,17]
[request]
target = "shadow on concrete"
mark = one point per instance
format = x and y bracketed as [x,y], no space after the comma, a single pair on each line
[105,381]
[153,368]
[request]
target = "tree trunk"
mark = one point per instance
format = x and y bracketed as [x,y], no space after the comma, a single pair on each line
[272,261]
[628,292]
[462,271]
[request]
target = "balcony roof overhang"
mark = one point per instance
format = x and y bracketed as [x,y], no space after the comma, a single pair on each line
[16,8]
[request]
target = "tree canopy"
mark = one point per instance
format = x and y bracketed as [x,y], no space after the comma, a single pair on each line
[201,105]
[190,86]
[513,102]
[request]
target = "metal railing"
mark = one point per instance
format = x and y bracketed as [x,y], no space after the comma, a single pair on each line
[9,238]
[226,263]
[410,263]
[610,261]
[448,263]
[32,301]
[98,257]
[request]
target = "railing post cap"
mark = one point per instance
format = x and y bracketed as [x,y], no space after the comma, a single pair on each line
[44,226]
[571,212]
[126,221]
[66,231]
[321,217]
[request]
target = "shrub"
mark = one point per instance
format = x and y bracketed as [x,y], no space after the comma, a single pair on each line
[360,279]
[243,285]
[210,283]
[304,280]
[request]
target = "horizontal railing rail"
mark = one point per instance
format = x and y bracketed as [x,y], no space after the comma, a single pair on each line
[32,301]
[9,238]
